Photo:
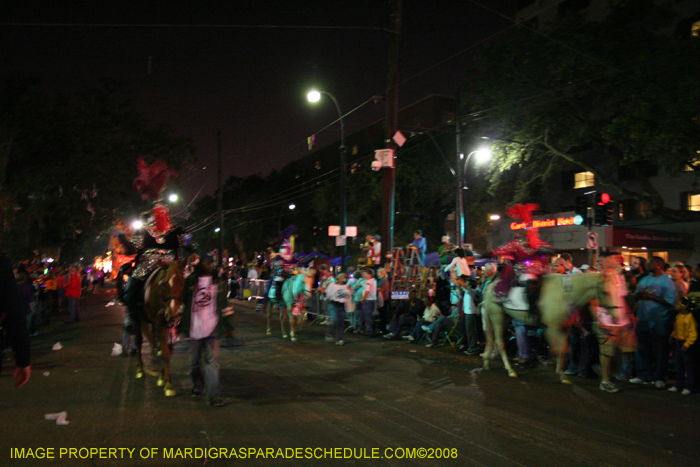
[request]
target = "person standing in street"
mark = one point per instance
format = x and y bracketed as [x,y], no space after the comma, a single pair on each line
[655,300]
[205,301]
[369,300]
[338,295]
[73,290]
[13,324]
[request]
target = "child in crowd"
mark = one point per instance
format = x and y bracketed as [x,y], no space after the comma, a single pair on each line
[685,333]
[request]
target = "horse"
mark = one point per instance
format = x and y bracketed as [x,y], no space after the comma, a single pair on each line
[294,292]
[163,296]
[560,293]
[274,300]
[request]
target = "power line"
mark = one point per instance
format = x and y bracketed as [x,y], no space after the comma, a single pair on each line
[191,26]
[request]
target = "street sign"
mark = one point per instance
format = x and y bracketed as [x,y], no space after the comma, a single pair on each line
[351,231]
[399,138]
[592,240]
[333,230]
[340,240]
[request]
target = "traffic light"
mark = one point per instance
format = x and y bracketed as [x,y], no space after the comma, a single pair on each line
[609,213]
[604,209]
[581,210]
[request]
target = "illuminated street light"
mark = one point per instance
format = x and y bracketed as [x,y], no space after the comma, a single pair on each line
[483,155]
[218,229]
[315,96]
[172,198]
[292,206]
[137,225]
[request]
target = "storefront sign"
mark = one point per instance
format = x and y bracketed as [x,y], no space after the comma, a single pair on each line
[652,239]
[559,221]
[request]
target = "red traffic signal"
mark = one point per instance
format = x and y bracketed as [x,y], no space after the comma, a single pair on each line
[602,198]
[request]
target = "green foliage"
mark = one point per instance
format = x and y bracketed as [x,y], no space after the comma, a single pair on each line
[69,161]
[607,96]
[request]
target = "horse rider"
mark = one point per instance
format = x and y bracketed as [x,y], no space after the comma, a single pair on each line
[158,244]
[526,259]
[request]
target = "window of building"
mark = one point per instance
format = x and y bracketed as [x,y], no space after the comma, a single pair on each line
[693,201]
[642,210]
[584,180]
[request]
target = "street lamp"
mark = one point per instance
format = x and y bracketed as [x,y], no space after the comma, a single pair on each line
[315,96]
[279,217]
[172,198]
[483,155]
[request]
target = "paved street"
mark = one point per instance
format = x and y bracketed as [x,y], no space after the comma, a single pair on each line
[390,396]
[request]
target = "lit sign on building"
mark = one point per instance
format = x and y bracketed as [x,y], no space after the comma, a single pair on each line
[559,221]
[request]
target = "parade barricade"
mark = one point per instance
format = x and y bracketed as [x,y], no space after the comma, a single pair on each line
[257,287]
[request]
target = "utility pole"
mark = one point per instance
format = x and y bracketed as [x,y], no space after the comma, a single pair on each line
[392,106]
[220,200]
[459,209]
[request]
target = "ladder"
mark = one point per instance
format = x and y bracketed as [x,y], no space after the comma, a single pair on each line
[399,270]
[408,275]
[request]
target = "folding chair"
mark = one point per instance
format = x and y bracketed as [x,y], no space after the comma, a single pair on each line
[453,336]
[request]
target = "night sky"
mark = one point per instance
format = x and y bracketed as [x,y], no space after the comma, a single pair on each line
[249,82]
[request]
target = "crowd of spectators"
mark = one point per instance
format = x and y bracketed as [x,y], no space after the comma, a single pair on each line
[657,332]
[49,290]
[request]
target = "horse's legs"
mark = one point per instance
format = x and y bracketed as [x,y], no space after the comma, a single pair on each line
[283,315]
[292,326]
[268,311]
[165,357]
[139,343]
[558,340]
[488,330]
[498,329]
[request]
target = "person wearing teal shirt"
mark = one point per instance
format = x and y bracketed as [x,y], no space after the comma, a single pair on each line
[655,299]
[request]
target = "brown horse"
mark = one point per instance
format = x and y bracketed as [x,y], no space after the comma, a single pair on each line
[163,297]
[559,295]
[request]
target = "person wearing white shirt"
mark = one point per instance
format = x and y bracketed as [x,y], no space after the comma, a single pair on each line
[338,295]
[369,299]
[459,266]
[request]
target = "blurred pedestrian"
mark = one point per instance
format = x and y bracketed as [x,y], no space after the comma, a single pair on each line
[14,324]
[73,290]
[202,323]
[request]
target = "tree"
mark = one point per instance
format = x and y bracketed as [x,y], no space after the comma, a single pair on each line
[68,163]
[614,96]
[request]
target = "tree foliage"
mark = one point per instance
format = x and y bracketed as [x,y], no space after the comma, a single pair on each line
[613,96]
[67,163]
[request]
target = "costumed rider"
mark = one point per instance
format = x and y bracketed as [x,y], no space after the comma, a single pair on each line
[160,243]
[285,262]
[282,266]
[526,259]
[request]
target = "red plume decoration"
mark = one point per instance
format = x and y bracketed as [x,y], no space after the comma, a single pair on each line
[151,180]
[523,212]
